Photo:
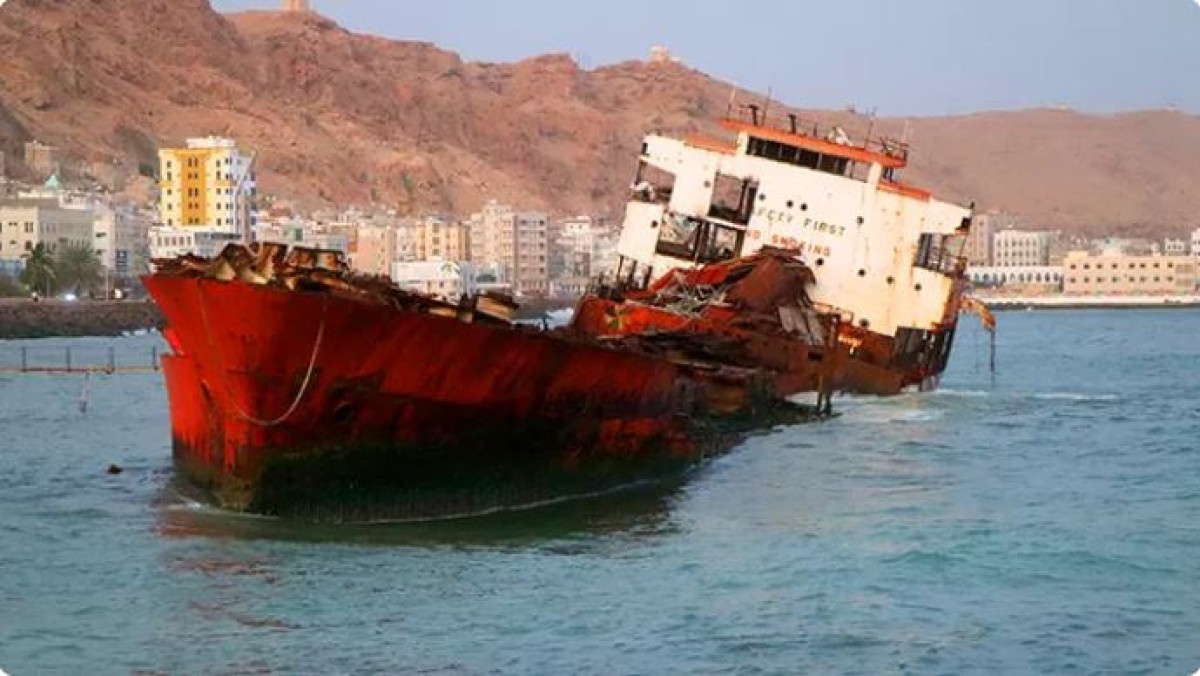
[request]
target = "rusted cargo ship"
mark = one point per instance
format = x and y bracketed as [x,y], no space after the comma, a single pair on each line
[298,388]
[886,257]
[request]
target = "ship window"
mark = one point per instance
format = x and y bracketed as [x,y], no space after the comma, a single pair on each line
[733,199]
[697,240]
[652,184]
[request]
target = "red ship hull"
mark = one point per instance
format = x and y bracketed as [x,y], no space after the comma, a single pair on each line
[299,403]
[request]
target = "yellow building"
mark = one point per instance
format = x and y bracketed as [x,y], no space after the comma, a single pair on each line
[209,185]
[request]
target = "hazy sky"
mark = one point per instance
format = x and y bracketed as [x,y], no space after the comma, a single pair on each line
[903,57]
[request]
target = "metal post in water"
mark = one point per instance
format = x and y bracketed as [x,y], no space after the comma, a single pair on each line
[154,358]
[24,359]
[68,350]
[112,360]
[992,356]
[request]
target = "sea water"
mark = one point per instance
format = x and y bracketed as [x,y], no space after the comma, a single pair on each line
[1044,519]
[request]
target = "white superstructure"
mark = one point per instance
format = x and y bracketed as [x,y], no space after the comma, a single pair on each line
[886,256]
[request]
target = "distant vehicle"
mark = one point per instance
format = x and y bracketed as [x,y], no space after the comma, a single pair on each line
[70,297]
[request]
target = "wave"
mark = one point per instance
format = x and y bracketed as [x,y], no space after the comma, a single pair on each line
[1072,396]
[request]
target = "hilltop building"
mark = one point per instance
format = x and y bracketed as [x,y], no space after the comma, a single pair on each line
[41,159]
[296,6]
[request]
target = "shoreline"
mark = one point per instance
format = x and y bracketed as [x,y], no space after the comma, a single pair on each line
[1092,302]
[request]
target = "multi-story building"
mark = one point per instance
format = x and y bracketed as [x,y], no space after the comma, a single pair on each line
[1020,248]
[979,242]
[209,184]
[375,251]
[491,234]
[437,239]
[1195,248]
[446,279]
[1112,273]
[529,262]
[572,264]
[120,234]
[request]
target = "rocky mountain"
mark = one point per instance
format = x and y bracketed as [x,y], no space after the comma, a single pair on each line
[337,117]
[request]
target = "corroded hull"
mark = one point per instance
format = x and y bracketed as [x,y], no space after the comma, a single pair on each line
[752,312]
[316,404]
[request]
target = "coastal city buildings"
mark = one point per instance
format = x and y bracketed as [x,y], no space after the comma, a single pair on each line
[206,187]
[1196,242]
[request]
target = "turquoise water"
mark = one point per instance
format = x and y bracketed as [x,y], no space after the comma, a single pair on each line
[1046,521]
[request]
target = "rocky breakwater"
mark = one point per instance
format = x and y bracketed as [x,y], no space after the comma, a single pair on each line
[27,319]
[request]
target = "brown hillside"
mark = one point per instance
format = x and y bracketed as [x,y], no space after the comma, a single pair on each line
[353,119]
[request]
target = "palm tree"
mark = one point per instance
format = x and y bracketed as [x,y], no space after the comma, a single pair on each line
[39,273]
[78,268]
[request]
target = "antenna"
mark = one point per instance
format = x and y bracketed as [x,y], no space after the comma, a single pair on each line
[870,126]
[766,106]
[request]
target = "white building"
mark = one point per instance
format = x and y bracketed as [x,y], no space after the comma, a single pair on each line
[120,233]
[172,242]
[1196,242]
[448,280]
[26,222]
[309,236]
[1175,247]
[1020,248]
[1036,275]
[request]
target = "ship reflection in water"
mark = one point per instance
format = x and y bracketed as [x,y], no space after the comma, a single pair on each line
[640,509]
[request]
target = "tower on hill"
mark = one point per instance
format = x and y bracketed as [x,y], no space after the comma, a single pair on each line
[295,6]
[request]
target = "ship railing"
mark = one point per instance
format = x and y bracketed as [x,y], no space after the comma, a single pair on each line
[794,123]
